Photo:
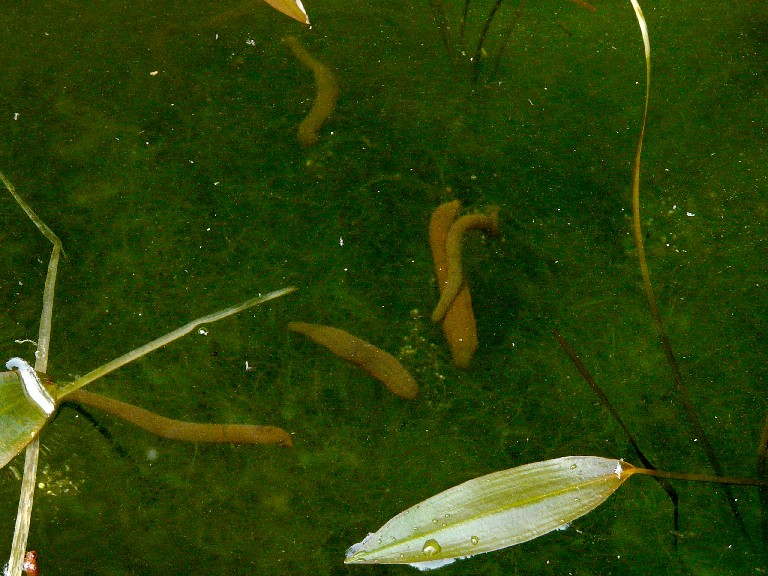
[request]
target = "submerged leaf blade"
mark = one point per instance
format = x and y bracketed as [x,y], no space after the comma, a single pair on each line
[20,419]
[492,512]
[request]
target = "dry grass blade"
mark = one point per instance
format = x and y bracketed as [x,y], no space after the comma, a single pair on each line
[690,410]
[26,498]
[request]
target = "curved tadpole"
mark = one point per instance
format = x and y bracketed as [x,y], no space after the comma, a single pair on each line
[181,429]
[463,26]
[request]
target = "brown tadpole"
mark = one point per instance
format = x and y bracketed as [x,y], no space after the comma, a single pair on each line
[459,326]
[327,93]
[455,278]
[182,430]
[378,363]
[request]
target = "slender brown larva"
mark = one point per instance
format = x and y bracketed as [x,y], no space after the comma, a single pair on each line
[378,363]
[325,99]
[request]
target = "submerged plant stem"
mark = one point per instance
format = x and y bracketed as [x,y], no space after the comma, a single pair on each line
[70,387]
[477,58]
[665,484]
[762,473]
[693,418]
[694,477]
[26,498]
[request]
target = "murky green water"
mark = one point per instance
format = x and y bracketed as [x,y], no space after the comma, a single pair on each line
[182,192]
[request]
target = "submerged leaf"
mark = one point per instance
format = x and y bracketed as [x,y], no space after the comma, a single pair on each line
[20,418]
[492,512]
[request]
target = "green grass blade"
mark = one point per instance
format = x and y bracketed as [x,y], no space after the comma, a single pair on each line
[167,339]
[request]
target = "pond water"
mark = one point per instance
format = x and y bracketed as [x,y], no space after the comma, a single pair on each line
[159,141]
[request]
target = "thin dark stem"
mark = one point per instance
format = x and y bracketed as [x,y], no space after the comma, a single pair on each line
[438,13]
[682,389]
[464,14]
[762,473]
[481,40]
[665,484]
[699,477]
[93,421]
[505,37]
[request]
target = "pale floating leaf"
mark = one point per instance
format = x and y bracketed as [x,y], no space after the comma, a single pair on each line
[492,512]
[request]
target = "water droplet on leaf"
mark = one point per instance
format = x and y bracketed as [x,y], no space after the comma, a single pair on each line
[431,547]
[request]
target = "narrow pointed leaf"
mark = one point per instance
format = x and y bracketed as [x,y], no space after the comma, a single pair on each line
[293,8]
[492,512]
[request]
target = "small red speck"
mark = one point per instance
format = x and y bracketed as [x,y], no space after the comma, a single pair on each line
[30,564]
